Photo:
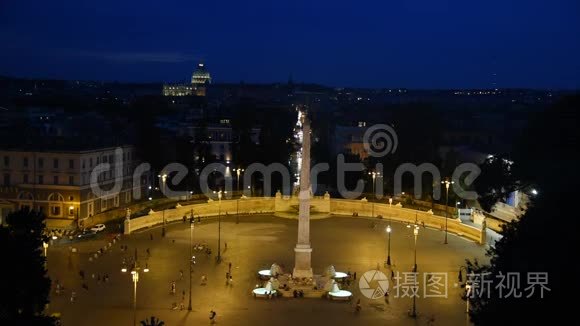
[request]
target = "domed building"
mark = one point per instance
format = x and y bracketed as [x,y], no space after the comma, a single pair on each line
[199,81]
[200,76]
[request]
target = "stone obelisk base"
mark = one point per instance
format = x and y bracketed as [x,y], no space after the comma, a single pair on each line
[302,267]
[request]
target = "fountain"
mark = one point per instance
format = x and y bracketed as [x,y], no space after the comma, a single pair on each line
[337,294]
[267,291]
[274,271]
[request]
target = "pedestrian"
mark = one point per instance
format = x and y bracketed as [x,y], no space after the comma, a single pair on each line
[173,287]
[212,316]
[148,253]
[354,276]
[184,218]
[387,297]
[198,218]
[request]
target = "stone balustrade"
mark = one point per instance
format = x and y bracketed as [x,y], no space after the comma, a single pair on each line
[331,206]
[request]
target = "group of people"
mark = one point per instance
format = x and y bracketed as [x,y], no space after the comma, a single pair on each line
[298,294]
[191,219]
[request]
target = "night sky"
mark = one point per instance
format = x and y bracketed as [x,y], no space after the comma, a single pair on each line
[414,44]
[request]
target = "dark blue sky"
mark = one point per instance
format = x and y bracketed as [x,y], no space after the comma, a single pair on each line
[414,44]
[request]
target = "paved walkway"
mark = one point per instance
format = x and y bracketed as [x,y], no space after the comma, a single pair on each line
[255,243]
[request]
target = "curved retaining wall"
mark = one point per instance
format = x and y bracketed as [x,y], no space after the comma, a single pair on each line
[318,204]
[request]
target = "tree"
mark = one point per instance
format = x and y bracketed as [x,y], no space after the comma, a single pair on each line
[25,285]
[152,322]
[540,241]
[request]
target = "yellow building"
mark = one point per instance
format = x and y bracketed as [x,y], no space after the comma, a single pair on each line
[58,183]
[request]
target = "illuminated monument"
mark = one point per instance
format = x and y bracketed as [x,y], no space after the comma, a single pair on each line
[302,263]
[199,81]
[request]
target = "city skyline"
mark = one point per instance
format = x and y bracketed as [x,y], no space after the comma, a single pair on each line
[375,45]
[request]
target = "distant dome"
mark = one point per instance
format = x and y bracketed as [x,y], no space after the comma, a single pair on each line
[200,76]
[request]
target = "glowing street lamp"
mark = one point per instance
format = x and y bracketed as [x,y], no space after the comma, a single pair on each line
[163,179]
[219,194]
[238,172]
[415,233]
[389,245]
[135,278]
[467,295]
[447,183]
[374,176]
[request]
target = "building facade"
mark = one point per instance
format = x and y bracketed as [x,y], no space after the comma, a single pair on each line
[58,183]
[199,81]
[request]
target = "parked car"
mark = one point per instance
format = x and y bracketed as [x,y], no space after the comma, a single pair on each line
[86,234]
[98,228]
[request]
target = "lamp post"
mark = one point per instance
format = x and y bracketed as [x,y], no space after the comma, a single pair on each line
[374,176]
[45,246]
[238,172]
[415,233]
[135,277]
[163,179]
[447,183]
[192,259]
[389,245]
[219,194]
[467,295]
[467,285]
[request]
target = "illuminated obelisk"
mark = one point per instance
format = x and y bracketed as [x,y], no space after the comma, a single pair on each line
[302,266]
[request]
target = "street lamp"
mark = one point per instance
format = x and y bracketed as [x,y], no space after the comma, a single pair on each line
[374,176]
[447,183]
[135,277]
[238,172]
[219,194]
[192,258]
[415,233]
[467,295]
[163,178]
[389,246]
[467,284]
